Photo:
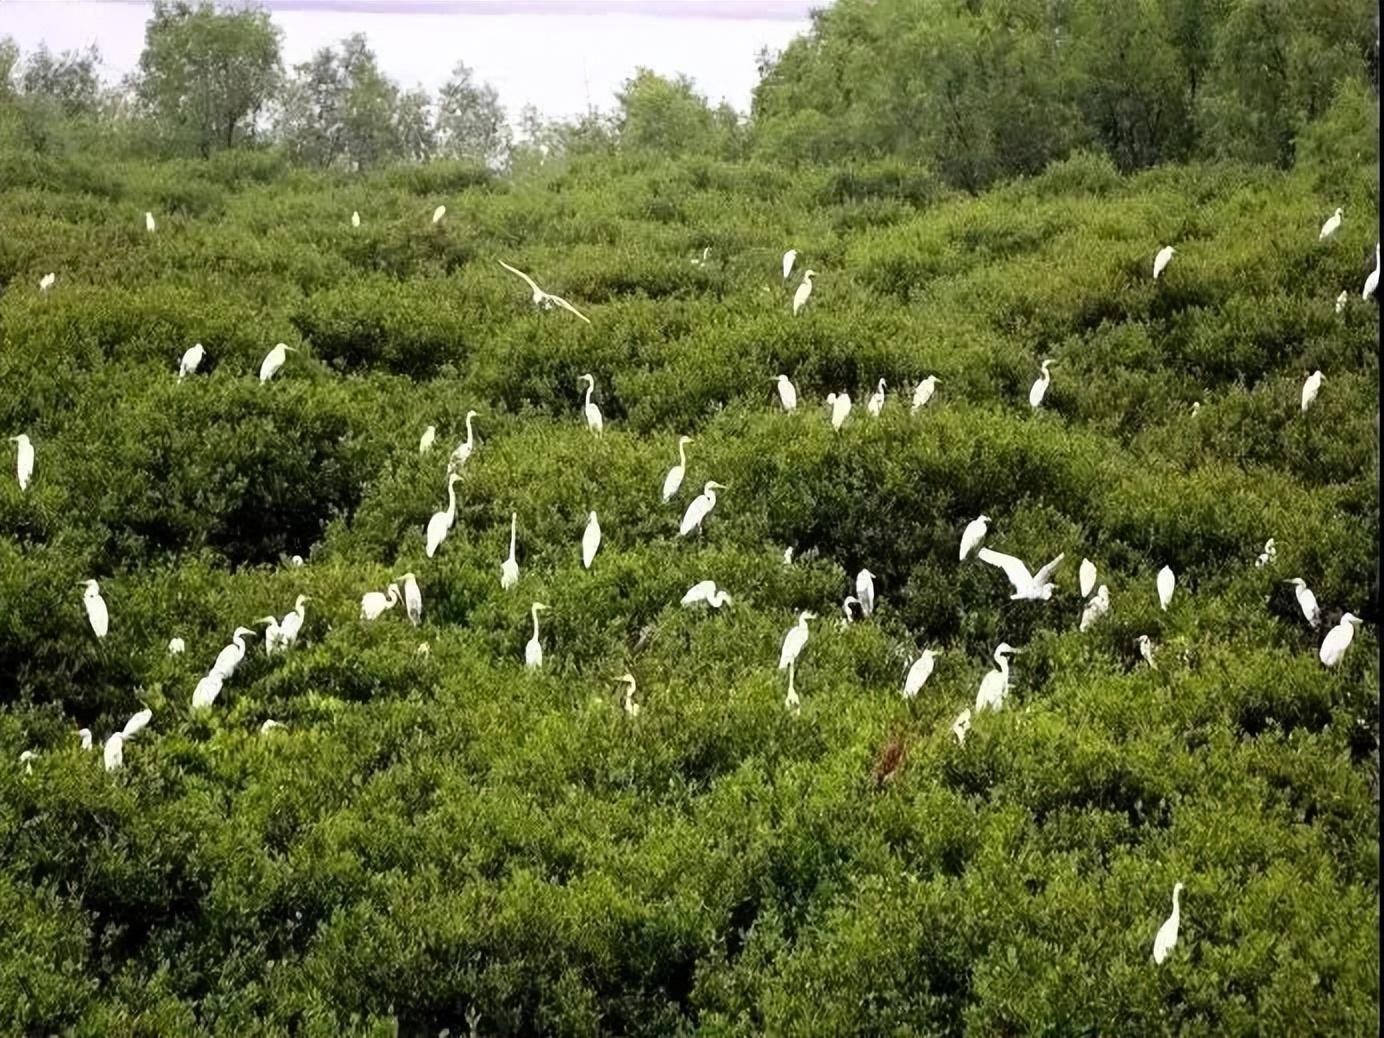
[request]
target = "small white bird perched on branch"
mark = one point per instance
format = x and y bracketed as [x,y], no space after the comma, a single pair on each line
[24,459]
[995,685]
[149,224]
[1266,556]
[1166,937]
[919,672]
[699,509]
[228,659]
[1039,388]
[1338,640]
[465,448]
[191,360]
[541,299]
[533,651]
[1097,607]
[789,258]
[355,218]
[973,534]
[923,393]
[800,297]
[1165,582]
[1164,257]
[374,604]
[1027,586]
[413,599]
[440,523]
[1310,389]
[1146,650]
[840,404]
[673,480]
[875,404]
[594,421]
[788,394]
[46,282]
[590,540]
[794,640]
[1086,577]
[706,591]
[438,214]
[274,360]
[509,569]
[1306,601]
[113,755]
[425,441]
[96,611]
[1332,225]
[292,623]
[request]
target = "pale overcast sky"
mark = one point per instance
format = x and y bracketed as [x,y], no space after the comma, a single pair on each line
[555,54]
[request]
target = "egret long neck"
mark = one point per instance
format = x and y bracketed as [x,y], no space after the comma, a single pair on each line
[1177,908]
[589,387]
[451,499]
[513,527]
[534,611]
[682,454]
[468,430]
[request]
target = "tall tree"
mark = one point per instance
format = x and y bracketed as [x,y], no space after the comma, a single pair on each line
[470,121]
[68,80]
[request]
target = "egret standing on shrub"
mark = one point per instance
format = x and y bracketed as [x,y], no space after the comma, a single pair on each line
[373,604]
[292,622]
[1166,938]
[413,599]
[594,422]
[96,611]
[1097,607]
[706,591]
[794,640]
[438,214]
[961,726]
[355,218]
[1039,388]
[789,258]
[804,290]
[533,651]
[840,404]
[137,723]
[995,685]
[1086,576]
[46,282]
[465,448]
[1146,650]
[191,360]
[272,634]
[84,734]
[865,590]
[441,522]
[923,393]
[1027,586]
[1306,601]
[274,360]
[973,534]
[630,706]
[544,300]
[1266,556]
[1342,300]
[788,395]
[918,673]
[509,569]
[1332,225]
[590,540]
[1310,389]
[24,459]
[1371,280]
[176,646]
[204,695]
[673,480]
[149,224]
[699,509]
[875,404]
[1338,640]
[1165,583]
[228,659]
[1164,257]
[848,616]
[425,441]
[113,754]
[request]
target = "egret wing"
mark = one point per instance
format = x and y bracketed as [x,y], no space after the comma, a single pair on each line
[568,306]
[1045,574]
[1014,568]
[515,270]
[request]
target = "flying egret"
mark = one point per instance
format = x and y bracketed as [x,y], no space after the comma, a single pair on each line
[137,723]
[1086,576]
[373,604]
[961,726]
[865,591]
[413,599]
[590,540]
[973,534]
[1039,388]
[465,448]
[24,459]
[804,290]
[1167,933]
[791,700]
[706,591]
[923,393]
[918,673]
[533,651]
[840,407]
[1266,556]
[1164,257]
[1306,601]
[1338,639]
[1165,583]
[191,360]
[438,214]
[789,258]
[509,569]
[594,421]
[1342,300]
[113,755]
[1027,586]
[425,441]
[1310,388]
[545,300]
[272,633]
[1146,650]
[96,610]
[149,222]
[270,725]
[1332,225]
[355,218]
[995,685]
[1371,280]
[292,623]
[228,659]
[84,734]
[46,282]
[795,639]
[274,360]
[698,510]
[875,404]
[441,522]
[204,695]
[1097,607]
[631,707]
[788,395]
[673,480]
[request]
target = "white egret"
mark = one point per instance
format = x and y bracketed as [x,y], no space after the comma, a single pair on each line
[701,261]
[590,540]
[46,282]
[1332,225]
[791,700]
[631,707]
[204,695]
[292,622]
[355,218]
[413,599]
[1310,388]
[804,290]
[113,754]
[995,685]
[699,509]
[24,459]
[1266,556]
[296,560]
[918,673]
[441,522]
[923,393]
[84,734]
[1166,937]
[1146,650]
[840,407]
[438,214]
[875,404]
[1306,601]
[272,633]
[149,224]
[1371,280]
[27,758]
[706,591]
[270,725]
[374,604]
[545,300]
[865,591]
[846,609]
[1164,257]
[533,651]
[1039,388]
[274,360]
[962,725]
[594,422]
[1097,607]
[176,646]
[228,659]
[137,723]
[191,360]
[1027,586]
[795,639]
[96,610]
[1086,576]
[1342,300]
[1165,583]
[788,395]
[465,448]
[673,480]
[1196,406]
[973,534]
[788,555]
[789,258]
[425,441]
[1338,640]
[509,569]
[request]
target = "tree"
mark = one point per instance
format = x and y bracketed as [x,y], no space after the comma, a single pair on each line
[68,80]
[206,75]
[663,115]
[470,121]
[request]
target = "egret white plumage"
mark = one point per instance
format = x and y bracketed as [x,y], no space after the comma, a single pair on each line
[84,734]
[1306,601]
[788,395]
[961,726]
[1164,257]
[594,422]
[24,459]
[1039,389]
[795,639]
[804,290]
[465,448]
[630,706]
[272,634]
[228,659]
[590,540]
[706,591]
[1371,279]
[509,569]
[27,758]
[413,599]
[292,623]
[699,509]
[113,754]
[1266,556]
[270,725]
[204,695]
[789,258]
[544,300]
[791,700]
[1146,650]
[875,404]
[995,685]
[1310,389]
[973,534]
[137,723]
[46,282]
[373,604]
[788,555]
[700,261]
[923,393]
[438,214]
[191,360]
[865,591]
[1097,607]
[848,616]
[1332,225]
[918,673]
[673,480]
[1166,938]
[1165,583]
[96,611]
[533,651]
[1086,577]
[274,360]
[1338,640]
[149,224]
[440,524]
[1027,586]
[296,560]
[1342,300]
[840,408]
[355,218]
[425,441]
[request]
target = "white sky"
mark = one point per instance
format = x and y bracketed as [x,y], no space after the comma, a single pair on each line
[555,61]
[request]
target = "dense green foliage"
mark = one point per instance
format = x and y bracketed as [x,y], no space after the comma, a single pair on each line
[447,835]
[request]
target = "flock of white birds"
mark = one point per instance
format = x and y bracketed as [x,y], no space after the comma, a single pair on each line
[280,634]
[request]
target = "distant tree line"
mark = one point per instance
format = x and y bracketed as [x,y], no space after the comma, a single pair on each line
[975,90]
